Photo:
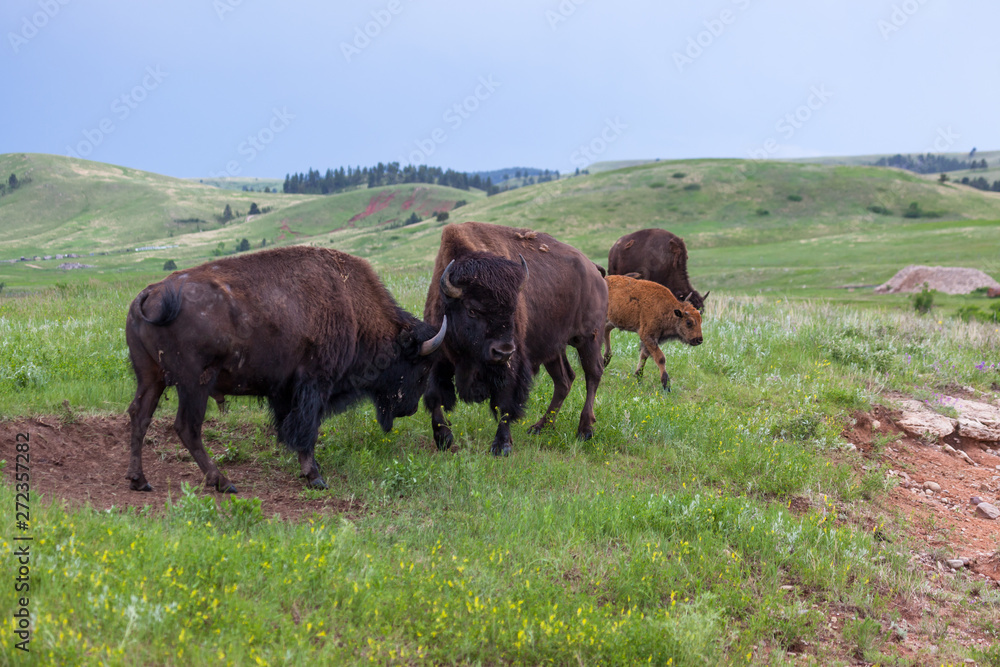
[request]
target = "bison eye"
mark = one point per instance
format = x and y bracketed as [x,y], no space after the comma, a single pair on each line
[472,313]
[690,324]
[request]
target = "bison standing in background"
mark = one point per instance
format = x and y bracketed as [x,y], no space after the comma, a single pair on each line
[311,330]
[514,299]
[652,311]
[657,255]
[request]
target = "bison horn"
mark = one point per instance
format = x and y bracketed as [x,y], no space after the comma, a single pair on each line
[430,345]
[705,298]
[687,299]
[447,288]
[524,265]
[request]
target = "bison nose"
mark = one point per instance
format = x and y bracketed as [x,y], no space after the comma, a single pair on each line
[501,352]
[696,341]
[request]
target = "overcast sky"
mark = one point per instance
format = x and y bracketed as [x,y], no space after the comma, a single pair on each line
[260,88]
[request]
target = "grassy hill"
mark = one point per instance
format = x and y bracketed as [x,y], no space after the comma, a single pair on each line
[73,205]
[795,228]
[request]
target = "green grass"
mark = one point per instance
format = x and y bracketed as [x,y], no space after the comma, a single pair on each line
[667,536]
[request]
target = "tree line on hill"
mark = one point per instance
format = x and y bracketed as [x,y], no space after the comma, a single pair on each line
[981,183]
[342,179]
[339,180]
[13,183]
[929,163]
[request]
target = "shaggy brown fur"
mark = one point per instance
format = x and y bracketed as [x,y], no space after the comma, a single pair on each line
[652,311]
[657,255]
[311,330]
[503,325]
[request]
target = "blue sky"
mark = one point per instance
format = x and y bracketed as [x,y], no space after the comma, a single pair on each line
[258,88]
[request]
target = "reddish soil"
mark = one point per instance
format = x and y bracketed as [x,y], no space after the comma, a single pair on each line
[945,521]
[85,462]
[286,229]
[377,203]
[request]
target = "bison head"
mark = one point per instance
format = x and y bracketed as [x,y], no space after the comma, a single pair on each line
[401,370]
[688,323]
[480,295]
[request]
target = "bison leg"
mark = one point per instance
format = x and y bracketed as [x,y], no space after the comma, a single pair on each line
[220,401]
[440,395]
[593,369]
[608,328]
[651,349]
[562,378]
[310,470]
[147,395]
[503,444]
[190,416]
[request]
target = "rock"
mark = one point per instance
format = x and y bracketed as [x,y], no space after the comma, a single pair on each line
[976,420]
[975,500]
[932,486]
[950,280]
[988,511]
[876,424]
[918,420]
[955,563]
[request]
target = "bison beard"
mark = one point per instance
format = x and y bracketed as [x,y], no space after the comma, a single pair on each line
[514,300]
[311,330]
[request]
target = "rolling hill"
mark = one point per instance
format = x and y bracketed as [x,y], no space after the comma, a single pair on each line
[750,226]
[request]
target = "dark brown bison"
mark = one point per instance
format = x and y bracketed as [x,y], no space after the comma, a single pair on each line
[311,330]
[514,300]
[652,311]
[657,255]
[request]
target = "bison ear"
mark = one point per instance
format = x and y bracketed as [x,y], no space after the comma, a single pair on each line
[635,275]
[678,313]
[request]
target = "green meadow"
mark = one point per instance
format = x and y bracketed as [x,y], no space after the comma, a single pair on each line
[719,523]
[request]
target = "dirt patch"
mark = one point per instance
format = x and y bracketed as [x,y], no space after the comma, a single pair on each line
[950,280]
[377,203]
[944,519]
[85,462]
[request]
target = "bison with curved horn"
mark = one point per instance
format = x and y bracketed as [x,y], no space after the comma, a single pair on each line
[514,299]
[658,256]
[311,330]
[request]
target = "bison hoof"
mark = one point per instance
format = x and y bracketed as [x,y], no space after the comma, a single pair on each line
[443,438]
[318,483]
[501,449]
[225,487]
[584,435]
[607,360]
[536,428]
[666,384]
[140,485]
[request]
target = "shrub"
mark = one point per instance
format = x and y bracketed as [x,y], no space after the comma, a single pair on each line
[442,216]
[170,265]
[923,300]
[763,211]
[692,186]
[678,174]
[794,197]
[243,246]
[881,210]
[913,211]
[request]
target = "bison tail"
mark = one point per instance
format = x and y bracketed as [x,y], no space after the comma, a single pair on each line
[604,274]
[170,306]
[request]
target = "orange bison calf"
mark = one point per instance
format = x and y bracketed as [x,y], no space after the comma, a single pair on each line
[652,311]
